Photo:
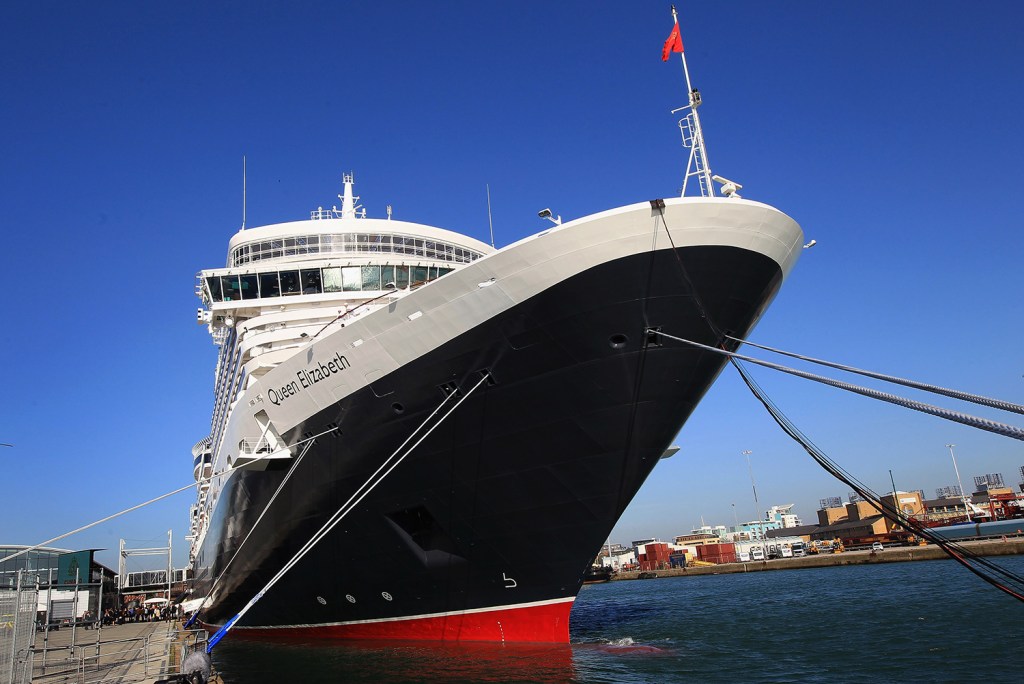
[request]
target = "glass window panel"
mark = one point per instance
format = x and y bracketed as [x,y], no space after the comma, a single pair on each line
[269,287]
[289,246]
[419,274]
[250,286]
[332,279]
[213,284]
[311,281]
[387,275]
[371,278]
[402,273]
[351,278]
[290,282]
[276,251]
[229,286]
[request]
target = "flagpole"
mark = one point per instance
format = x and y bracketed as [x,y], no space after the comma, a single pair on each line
[698,153]
[682,56]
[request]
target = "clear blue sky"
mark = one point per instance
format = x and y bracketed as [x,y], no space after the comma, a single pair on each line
[890,131]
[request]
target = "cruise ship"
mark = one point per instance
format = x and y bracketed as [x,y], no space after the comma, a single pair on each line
[418,436]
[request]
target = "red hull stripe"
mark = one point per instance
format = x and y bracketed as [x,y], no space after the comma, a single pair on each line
[547,622]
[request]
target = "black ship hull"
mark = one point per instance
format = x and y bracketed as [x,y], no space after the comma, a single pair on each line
[486,530]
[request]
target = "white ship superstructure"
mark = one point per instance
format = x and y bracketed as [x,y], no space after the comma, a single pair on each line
[287,284]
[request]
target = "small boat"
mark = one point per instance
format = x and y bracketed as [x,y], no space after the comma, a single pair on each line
[597,574]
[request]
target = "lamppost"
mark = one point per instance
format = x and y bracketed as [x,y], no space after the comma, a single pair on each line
[757,505]
[967,510]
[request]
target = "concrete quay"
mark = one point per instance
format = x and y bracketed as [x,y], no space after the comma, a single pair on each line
[140,652]
[894,554]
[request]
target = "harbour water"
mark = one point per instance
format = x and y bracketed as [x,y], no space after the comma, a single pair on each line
[927,621]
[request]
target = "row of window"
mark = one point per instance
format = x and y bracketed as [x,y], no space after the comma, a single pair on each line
[348,243]
[151,577]
[232,288]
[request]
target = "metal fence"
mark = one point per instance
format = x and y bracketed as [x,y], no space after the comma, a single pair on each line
[84,654]
[17,625]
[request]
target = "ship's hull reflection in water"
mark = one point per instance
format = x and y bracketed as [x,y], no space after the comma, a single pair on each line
[243,661]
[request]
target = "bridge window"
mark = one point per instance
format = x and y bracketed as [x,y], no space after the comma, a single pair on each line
[371,277]
[290,283]
[213,285]
[352,278]
[311,281]
[332,279]
[250,286]
[230,288]
[269,285]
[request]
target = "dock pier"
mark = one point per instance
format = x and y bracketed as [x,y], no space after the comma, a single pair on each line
[892,554]
[134,652]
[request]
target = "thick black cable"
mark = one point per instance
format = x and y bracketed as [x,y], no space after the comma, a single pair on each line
[955,416]
[934,389]
[953,549]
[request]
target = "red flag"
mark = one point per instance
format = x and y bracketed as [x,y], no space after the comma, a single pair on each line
[673,44]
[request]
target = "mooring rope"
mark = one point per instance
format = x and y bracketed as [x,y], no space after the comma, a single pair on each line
[947,414]
[934,389]
[151,501]
[982,567]
[280,486]
[345,509]
[954,550]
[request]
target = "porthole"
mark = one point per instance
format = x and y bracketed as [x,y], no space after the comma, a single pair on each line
[350,598]
[398,408]
[321,600]
[618,341]
[386,595]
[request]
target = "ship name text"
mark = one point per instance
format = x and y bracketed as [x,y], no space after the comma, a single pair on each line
[307,377]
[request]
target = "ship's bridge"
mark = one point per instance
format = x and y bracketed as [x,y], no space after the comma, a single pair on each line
[227,287]
[333,256]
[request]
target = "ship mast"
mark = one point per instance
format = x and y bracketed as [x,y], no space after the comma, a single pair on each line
[349,208]
[689,126]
